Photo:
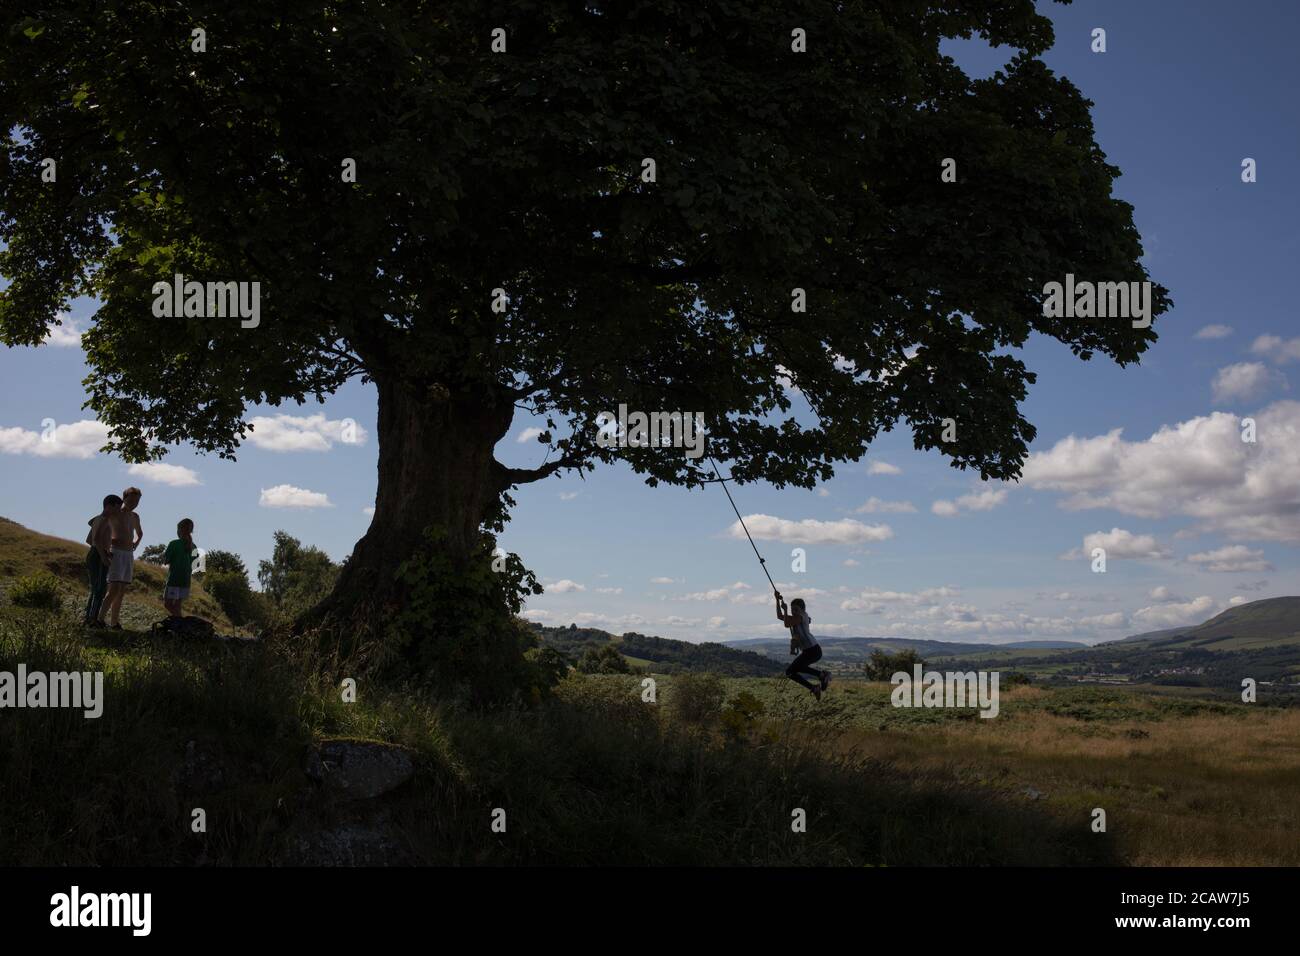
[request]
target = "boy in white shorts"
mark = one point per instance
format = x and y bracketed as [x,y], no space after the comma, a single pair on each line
[127,535]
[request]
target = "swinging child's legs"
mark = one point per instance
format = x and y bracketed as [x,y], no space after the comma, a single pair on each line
[800,666]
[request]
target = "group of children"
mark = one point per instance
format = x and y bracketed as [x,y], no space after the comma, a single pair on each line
[114,535]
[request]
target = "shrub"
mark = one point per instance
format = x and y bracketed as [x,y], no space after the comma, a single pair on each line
[883,666]
[40,591]
[697,698]
[549,664]
[740,715]
[237,599]
[479,650]
[612,700]
[603,660]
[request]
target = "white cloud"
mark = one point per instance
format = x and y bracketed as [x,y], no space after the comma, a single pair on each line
[609,590]
[303,432]
[872,600]
[1231,559]
[178,476]
[809,531]
[67,334]
[1119,543]
[536,614]
[1244,381]
[662,581]
[1163,594]
[1200,468]
[81,439]
[1277,349]
[883,468]
[568,495]
[1174,615]
[593,619]
[1214,332]
[850,563]
[985,500]
[675,621]
[874,505]
[564,586]
[528,434]
[1236,599]
[287,496]
[715,623]
[368,512]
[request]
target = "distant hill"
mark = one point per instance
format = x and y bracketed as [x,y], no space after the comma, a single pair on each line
[660,654]
[1271,622]
[24,552]
[847,649]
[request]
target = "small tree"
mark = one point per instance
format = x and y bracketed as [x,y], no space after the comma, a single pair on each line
[153,554]
[297,577]
[237,599]
[228,561]
[883,665]
[604,659]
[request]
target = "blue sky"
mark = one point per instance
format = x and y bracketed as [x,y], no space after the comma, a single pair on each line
[1147,462]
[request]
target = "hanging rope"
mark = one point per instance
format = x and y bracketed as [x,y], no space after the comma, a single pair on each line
[723,481]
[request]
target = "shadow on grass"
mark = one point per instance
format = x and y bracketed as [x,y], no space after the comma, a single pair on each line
[594,776]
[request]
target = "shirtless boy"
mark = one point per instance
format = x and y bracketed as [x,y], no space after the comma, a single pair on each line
[127,535]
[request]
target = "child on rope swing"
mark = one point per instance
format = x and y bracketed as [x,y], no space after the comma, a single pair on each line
[803,643]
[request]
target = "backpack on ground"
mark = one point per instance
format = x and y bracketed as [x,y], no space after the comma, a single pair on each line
[185,627]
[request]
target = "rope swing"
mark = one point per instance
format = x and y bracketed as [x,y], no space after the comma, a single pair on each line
[761,561]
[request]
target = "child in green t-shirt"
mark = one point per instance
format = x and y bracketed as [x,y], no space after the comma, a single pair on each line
[179,557]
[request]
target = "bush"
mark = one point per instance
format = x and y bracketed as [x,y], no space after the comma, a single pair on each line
[883,666]
[741,714]
[697,698]
[40,591]
[550,665]
[611,700]
[603,660]
[237,599]
[479,652]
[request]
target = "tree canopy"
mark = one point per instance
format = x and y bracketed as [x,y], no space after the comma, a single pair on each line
[501,159]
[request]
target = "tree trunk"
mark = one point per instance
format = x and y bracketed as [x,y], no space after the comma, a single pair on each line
[436,469]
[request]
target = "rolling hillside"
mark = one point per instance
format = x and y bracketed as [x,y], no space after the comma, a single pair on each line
[858,649]
[660,655]
[1272,622]
[23,552]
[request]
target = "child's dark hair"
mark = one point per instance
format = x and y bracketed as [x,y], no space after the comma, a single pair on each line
[184,526]
[112,501]
[798,602]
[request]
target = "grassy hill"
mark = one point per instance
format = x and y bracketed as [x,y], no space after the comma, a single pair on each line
[660,655]
[24,552]
[851,652]
[1272,622]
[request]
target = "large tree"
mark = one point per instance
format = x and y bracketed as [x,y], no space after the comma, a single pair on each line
[775,168]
